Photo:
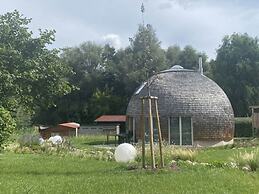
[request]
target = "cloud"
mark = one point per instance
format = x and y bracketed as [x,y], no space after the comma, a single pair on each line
[113,40]
[200,23]
[165,5]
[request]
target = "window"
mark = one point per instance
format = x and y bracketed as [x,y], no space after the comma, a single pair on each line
[147,130]
[174,131]
[131,127]
[180,131]
[256,110]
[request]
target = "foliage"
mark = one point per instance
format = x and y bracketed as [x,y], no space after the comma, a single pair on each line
[148,57]
[187,58]
[107,78]
[170,153]
[29,144]
[243,127]
[183,154]
[248,159]
[96,92]
[245,142]
[7,125]
[236,70]
[23,118]
[30,74]
[28,140]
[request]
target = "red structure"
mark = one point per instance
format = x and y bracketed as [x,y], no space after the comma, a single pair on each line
[63,129]
[113,125]
[111,119]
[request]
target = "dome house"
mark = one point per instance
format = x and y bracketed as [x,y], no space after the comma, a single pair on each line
[193,109]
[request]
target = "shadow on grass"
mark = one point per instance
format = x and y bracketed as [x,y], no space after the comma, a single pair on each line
[100,142]
[65,173]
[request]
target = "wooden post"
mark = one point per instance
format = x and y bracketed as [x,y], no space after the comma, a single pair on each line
[76,132]
[159,134]
[142,121]
[151,134]
[253,122]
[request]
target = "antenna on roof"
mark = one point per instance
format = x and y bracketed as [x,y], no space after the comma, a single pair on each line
[200,65]
[142,9]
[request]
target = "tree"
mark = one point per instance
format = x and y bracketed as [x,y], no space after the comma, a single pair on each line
[30,74]
[106,78]
[147,55]
[7,125]
[236,70]
[187,58]
[173,55]
[92,65]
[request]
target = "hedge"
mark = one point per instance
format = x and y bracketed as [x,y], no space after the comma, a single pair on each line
[243,127]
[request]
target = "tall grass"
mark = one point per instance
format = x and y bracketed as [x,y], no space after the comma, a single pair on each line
[170,153]
[248,160]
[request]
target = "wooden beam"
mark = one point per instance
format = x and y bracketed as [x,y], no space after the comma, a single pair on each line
[153,165]
[159,134]
[142,122]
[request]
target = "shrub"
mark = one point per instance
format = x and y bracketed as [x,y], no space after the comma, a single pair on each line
[248,159]
[245,142]
[243,127]
[23,119]
[183,154]
[7,125]
[170,153]
[29,140]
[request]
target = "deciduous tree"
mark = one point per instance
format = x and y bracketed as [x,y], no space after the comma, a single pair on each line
[30,73]
[236,70]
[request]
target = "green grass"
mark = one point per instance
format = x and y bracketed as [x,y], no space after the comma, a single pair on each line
[86,141]
[32,173]
[220,154]
[35,173]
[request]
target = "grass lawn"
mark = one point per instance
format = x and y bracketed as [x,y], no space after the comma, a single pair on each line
[90,140]
[221,154]
[33,173]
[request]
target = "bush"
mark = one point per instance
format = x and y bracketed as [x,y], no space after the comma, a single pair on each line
[243,127]
[28,140]
[249,160]
[7,125]
[183,154]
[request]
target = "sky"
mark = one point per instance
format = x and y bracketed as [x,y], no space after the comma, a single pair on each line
[199,23]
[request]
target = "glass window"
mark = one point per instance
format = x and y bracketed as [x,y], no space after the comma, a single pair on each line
[155,133]
[181,130]
[174,131]
[186,131]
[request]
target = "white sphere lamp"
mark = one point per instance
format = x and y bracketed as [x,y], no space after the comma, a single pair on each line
[125,153]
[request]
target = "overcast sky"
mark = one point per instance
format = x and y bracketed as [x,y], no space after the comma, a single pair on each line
[200,23]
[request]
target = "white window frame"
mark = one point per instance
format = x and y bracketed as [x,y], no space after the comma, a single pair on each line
[180,130]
